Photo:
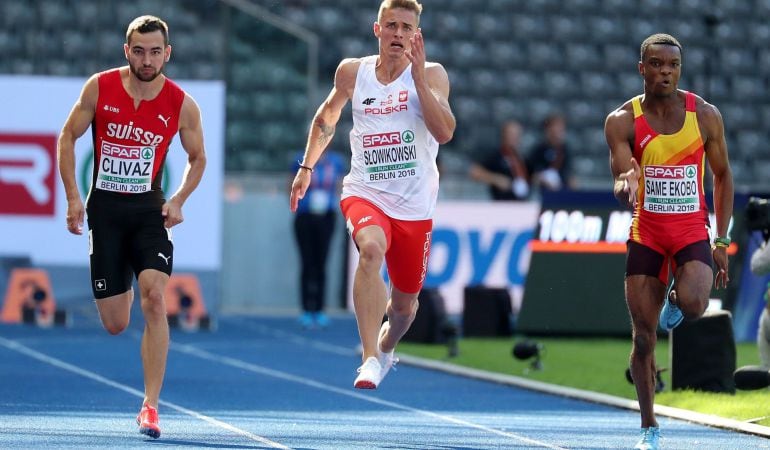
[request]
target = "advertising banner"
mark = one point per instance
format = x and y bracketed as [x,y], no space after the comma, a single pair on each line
[32,200]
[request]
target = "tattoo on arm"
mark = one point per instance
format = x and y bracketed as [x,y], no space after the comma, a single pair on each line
[327,131]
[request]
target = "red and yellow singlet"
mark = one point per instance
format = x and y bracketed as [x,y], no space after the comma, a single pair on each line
[671,210]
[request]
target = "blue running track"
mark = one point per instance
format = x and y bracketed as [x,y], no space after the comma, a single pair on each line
[260,383]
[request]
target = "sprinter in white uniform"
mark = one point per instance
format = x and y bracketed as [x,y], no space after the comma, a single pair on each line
[401,114]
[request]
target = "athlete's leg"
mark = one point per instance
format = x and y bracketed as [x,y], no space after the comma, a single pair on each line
[694,277]
[115,311]
[369,290]
[644,296]
[407,262]
[152,284]
[401,310]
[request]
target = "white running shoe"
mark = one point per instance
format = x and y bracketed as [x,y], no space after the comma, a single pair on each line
[387,360]
[369,374]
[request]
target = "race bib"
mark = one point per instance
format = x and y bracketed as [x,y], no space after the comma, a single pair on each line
[671,189]
[125,168]
[390,156]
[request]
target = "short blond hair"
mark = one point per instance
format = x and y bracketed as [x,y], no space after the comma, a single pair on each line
[411,5]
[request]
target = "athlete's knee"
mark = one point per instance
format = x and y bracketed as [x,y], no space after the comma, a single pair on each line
[692,303]
[114,326]
[644,342]
[405,308]
[371,253]
[153,303]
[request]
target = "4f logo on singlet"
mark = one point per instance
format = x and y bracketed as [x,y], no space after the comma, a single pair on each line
[368,101]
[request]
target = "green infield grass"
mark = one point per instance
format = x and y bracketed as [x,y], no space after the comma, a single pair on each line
[599,365]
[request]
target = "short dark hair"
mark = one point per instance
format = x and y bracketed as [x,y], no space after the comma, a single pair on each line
[147,24]
[658,38]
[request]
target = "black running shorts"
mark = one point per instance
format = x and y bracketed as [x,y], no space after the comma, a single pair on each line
[125,237]
[642,260]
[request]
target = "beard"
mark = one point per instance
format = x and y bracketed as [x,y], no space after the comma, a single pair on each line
[137,71]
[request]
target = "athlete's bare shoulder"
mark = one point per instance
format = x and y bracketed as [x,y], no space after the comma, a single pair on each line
[90,93]
[434,69]
[622,115]
[345,76]
[348,68]
[709,118]
[704,108]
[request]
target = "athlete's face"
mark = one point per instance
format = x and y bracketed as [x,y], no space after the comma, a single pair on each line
[146,54]
[394,29]
[661,68]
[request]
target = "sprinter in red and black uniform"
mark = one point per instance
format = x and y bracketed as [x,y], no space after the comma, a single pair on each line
[134,112]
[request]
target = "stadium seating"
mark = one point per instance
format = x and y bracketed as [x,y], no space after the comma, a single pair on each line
[506,59]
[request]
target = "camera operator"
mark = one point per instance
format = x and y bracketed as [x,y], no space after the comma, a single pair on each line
[758,219]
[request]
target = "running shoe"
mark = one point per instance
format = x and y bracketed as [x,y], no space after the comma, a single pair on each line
[387,360]
[369,374]
[306,320]
[148,421]
[321,319]
[670,316]
[648,439]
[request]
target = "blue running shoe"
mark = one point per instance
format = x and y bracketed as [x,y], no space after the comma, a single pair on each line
[649,439]
[306,320]
[670,315]
[321,319]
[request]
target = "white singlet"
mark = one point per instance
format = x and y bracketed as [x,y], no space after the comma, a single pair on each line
[393,161]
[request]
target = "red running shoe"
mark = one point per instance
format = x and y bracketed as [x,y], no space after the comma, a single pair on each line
[148,421]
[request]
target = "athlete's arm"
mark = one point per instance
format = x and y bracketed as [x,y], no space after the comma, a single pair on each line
[191,135]
[78,121]
[432,85]
[323,126]
[713,129]
[618,130]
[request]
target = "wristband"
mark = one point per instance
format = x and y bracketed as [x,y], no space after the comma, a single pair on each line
[722,242]
[302,166]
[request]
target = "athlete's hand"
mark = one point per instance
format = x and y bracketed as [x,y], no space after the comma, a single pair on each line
[298,188]
[417,56]
[75,214]
[720,259]
[172,213]
[631,182]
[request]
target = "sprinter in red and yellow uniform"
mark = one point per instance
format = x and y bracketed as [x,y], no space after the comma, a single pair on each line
[660,142]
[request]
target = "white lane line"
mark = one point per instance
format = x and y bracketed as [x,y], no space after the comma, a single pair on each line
[239,364]
[563,391]
[20,348]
